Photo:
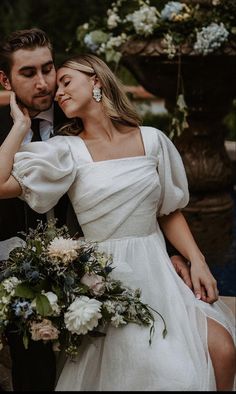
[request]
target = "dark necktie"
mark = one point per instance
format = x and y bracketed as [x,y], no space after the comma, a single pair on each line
[35,126]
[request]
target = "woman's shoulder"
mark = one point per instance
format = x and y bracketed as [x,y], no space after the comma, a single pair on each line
[157,135]
[152,135]
[150,130]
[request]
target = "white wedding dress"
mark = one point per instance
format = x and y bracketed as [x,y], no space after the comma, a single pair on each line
[116,202]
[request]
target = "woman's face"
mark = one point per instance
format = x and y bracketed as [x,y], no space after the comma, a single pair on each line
[74,93]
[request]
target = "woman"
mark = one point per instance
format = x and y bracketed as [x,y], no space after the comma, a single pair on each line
[118,176]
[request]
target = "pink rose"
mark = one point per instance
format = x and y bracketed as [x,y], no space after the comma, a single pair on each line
[94,282]
[43,330]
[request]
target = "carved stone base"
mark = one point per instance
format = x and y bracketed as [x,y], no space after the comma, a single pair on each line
[210,218]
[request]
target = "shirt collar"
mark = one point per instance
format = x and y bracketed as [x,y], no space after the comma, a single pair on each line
[46,115]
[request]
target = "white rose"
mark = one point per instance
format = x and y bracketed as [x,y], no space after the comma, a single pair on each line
[83,315]
[94,282]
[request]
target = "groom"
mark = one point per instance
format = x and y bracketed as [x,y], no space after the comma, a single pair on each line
[27,67]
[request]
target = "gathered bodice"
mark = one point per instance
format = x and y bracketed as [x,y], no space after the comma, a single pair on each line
[116,198]
[111,198]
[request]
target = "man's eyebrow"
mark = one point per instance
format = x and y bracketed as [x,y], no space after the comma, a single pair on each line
[24,68]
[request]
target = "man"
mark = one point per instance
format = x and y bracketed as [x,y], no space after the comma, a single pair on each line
[27,67]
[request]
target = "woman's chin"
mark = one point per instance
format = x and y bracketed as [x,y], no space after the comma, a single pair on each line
[69,114]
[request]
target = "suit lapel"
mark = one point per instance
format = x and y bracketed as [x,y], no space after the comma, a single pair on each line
[6,122]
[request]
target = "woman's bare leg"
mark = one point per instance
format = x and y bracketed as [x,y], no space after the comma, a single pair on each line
[223,355]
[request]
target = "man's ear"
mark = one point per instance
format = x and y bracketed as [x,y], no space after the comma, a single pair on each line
[4,81]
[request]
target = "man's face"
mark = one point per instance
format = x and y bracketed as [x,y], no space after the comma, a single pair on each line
[33,78]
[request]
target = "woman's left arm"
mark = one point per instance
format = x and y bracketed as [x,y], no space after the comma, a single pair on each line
[178,233]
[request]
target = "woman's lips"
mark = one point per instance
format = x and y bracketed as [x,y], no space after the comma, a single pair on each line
[62,102]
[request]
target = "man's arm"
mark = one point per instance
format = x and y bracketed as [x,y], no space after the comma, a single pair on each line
[176,230]
[180,263]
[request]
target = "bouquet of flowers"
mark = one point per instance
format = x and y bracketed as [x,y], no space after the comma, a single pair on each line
[55,286]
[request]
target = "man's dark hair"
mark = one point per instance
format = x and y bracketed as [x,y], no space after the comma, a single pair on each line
[21,39]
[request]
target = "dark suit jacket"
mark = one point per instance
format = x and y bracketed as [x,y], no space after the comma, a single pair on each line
[15,214]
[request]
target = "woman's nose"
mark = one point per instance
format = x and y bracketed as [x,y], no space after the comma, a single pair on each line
[59,93]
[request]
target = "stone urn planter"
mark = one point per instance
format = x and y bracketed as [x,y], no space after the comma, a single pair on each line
[209,85]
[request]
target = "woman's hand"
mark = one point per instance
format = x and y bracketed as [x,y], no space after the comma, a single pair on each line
[20,115]
[204,283]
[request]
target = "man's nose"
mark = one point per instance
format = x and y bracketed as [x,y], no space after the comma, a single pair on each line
[41,82]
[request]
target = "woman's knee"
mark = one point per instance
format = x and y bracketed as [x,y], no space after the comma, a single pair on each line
[221,344]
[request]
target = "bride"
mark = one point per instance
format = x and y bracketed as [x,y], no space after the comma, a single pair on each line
[119,177]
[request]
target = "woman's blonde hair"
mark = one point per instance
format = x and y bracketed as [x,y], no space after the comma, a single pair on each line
[115,102]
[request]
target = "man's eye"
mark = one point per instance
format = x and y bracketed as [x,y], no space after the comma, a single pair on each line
[28,74]
[47,70]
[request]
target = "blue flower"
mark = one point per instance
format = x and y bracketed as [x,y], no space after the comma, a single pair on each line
[170,9]
[22,308]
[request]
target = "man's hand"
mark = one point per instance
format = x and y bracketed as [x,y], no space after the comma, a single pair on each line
[182,267]
[198,278]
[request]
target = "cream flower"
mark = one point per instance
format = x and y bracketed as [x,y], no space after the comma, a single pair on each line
[43,330]
[63,248]
[10,284]
[83,315]
[94,282]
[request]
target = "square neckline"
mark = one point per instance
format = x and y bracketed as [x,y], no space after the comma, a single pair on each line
[120,158]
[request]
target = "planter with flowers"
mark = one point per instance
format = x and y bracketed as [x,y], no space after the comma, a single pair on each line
[185,52]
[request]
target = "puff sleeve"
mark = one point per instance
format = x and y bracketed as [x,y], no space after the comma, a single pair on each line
[173,179]
[45,171]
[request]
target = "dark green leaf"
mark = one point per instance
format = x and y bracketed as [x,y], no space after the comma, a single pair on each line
[23,290]
[43,305]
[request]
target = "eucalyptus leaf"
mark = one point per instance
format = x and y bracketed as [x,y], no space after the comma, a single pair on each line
[25,341]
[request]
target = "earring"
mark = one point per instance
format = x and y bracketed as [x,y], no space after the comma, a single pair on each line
[97,93]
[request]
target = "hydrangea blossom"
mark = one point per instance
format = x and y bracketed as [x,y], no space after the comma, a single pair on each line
[95,39]
[113,19]
[210,38]
[173,10]
[144,20]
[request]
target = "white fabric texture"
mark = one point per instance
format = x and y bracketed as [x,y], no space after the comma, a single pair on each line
[116,202]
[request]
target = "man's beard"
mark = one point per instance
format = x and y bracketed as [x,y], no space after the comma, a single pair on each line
[43,106]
